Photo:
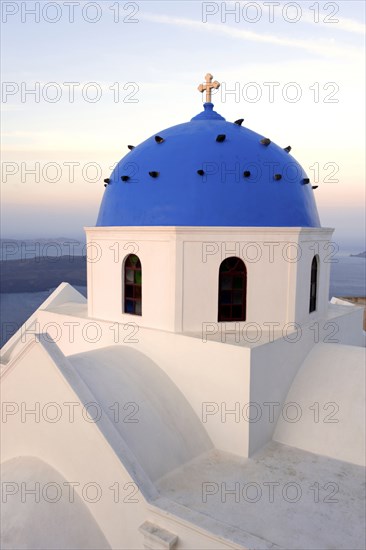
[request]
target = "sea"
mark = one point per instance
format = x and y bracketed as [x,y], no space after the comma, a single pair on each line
[347,275]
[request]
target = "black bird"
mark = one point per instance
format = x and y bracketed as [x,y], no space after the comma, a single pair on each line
[154,174]
[200,172]
[278,177]
[246,174]
[125,178]
[305,181]
[131,147]
[107,180]
[315,186]
[159,139]
[265,141]
[239,122]
[220,138]
[288,149]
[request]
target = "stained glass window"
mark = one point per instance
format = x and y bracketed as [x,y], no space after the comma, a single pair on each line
[232,290]
[132,285]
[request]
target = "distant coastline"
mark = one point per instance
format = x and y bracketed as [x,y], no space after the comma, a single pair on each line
[41,273]
[360,255]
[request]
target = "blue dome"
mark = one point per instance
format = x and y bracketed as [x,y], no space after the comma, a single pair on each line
[192,177]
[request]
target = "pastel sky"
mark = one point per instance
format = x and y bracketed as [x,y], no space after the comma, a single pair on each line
[135,71]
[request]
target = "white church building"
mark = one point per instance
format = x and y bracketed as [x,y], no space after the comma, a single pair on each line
[206,394]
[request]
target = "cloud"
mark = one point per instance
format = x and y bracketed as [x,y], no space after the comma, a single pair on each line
[327,47]
[331,21]
[342,24]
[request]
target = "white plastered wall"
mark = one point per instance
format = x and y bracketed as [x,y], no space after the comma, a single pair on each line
[71,445]
[180,272]
[78,452]
[107,252]
[314,243]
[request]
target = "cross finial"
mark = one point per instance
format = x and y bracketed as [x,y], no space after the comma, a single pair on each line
[208,86]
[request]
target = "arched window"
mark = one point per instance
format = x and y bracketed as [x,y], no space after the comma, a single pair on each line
[132,285]
[313,284]
[232,290]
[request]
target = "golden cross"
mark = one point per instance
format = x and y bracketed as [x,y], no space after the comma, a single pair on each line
[208,86]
